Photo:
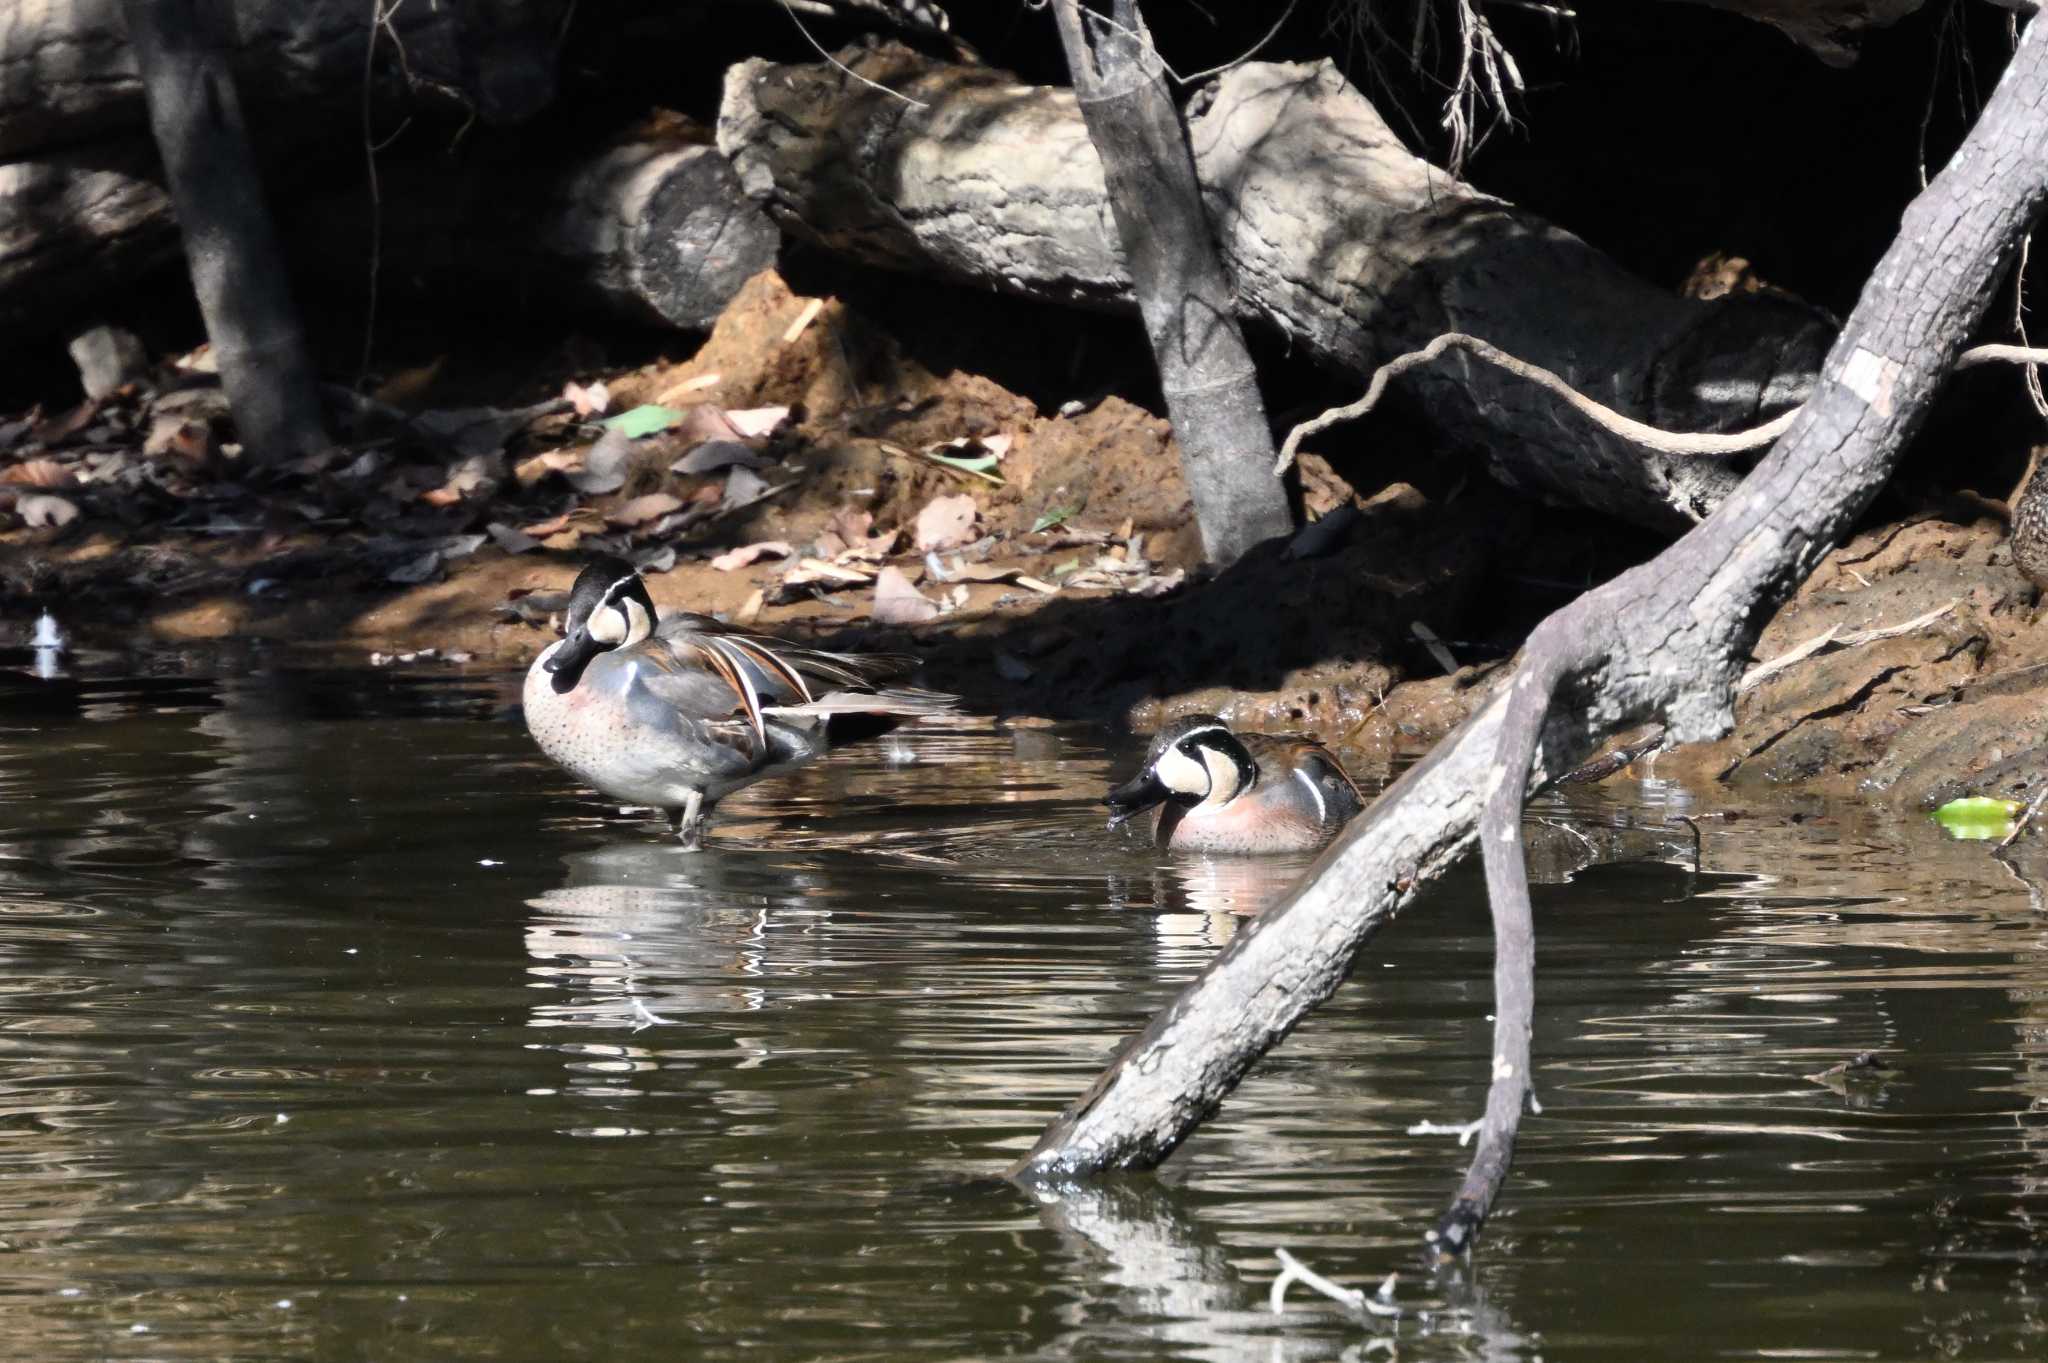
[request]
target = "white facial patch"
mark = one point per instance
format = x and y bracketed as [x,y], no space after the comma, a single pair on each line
[620,618]
[638,624]
[1224,777]
[1182,774]
[606,626]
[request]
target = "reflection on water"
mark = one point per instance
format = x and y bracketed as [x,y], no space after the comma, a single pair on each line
[334,1022]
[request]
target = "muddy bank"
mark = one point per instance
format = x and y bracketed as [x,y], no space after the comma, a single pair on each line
[808,470]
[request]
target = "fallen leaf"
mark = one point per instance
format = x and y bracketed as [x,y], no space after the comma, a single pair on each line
[643,509]
[1056,516]
[648,418]
[756,422]
[475,476]
[542,529]
[945,523]
[848,533]
[461,546]
[37,473]
[750,609]
[657,560]
[510,540]
[714,455]
[39,509]
[531,471]
[408,388]
[733,559]
[199,360]
[416,570]
[605,464]
[587,401]
[897,602]
[810,570]
[479,430]
[1042,588]
[56,430]
[535,608]
[743,487]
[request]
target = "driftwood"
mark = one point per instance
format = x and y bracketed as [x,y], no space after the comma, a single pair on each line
[1352,247]
[1664,640]
[1205,372]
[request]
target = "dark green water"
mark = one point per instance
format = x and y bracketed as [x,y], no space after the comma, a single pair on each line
[335,1023]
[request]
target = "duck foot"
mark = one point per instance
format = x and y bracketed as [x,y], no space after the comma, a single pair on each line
[687,823]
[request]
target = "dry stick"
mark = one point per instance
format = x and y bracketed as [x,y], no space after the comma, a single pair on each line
[1662,639]
[1681,443]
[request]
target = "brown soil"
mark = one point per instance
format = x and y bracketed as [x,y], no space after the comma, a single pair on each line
[1310,636]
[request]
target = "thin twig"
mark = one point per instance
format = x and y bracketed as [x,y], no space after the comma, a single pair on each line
[820,49]
[1293,1270]
[1833,635]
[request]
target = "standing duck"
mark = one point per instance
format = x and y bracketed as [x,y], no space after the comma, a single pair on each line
[678,713]
[1218,791]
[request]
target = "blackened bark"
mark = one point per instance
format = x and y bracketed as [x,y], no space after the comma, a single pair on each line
[230,246]
[1210,385]
[1666,639]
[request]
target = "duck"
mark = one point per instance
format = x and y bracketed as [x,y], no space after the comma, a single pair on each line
[1221,791]
[676,712]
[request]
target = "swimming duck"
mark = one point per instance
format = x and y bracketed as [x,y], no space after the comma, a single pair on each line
[1219,791]
[678,712]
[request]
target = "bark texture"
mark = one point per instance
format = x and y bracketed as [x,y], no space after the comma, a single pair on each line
[230,246]
[1205,372]
[68,75]
[1355,249]
[72,222]
[1666,639]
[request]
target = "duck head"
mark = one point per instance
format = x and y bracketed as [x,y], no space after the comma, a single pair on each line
[608,608]
[1194,760]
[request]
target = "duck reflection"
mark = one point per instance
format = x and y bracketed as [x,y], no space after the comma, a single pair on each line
[644,933]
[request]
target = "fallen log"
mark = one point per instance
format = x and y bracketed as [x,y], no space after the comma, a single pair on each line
[1665,640]
[67,74]
[73,222]
[1353,248]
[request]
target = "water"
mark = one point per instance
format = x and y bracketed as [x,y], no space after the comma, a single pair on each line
[335,1023]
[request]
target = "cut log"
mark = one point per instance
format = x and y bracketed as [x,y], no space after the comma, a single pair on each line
[1352,247]
[656,232]
[67,75]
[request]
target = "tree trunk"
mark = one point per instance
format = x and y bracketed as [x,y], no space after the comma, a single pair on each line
[1666,639]
[1207,376]
[237,269]
[1336,235]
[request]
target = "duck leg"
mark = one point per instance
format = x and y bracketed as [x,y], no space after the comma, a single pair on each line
[687,823]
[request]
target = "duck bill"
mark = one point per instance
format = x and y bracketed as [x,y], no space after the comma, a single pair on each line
[1142,792]
[570,657]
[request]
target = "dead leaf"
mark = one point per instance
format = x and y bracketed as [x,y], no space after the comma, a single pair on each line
[733,559]
[714,455]
[39,509]
[658,560]
[540,530]
[535,608]
[475,476]
[37,473]
[643,509]
[58,429]
[946,522]
[531,471]
[417,570]
[750,609]
[1042,588]
[848,533]
[605,464]
[510,540]
[743,487]
[199,360]
[809,570]
[757,422]
[897,602]
[408,388]
[590,401]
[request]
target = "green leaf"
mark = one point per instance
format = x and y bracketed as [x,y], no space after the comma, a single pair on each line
[1977,818]
[646,419]
[1062,569]
[1057,516]
[980,465]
